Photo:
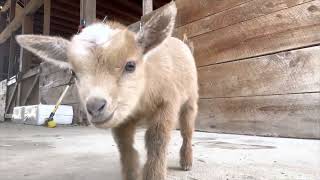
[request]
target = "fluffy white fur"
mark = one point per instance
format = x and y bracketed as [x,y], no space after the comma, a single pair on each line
[98,34]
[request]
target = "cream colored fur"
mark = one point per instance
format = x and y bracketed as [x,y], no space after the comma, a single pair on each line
[162,91]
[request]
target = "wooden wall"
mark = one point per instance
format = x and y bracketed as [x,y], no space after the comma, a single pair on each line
[258,65]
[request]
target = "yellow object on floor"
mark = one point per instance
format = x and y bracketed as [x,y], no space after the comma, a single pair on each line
[52,124]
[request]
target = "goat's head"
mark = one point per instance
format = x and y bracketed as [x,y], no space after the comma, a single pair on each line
[108,61]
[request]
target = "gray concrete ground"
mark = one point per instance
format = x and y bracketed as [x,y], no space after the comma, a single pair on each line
[82,153]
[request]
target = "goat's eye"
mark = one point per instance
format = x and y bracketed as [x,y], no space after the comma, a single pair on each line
[130,66]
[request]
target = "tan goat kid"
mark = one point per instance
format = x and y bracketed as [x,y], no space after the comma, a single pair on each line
[126,79]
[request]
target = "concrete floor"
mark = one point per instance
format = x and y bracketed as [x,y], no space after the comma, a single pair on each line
[82,153]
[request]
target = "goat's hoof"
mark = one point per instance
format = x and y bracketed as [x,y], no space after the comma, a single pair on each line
[186,166]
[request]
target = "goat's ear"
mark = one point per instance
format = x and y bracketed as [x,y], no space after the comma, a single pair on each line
[51,49]
[158,28]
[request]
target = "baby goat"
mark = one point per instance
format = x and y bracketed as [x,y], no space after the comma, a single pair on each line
[127,79]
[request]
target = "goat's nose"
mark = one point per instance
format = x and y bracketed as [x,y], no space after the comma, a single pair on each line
[96,105]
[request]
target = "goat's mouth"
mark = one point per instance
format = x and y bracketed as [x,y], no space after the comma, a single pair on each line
[102,120]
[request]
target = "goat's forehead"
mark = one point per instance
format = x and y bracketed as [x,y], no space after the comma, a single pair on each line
[92,36]
[97,34]
[99,43]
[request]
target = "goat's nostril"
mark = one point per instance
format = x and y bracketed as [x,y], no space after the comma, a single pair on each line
[90,112]
[102,107]
[96,105]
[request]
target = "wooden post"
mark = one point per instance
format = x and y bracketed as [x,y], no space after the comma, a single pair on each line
[25,60]
[25,56]
[12,51]
[147,6]
[12,9]
[88,11]
[4,49]
[46,17]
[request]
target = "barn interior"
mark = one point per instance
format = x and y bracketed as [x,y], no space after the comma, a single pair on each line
[258,70]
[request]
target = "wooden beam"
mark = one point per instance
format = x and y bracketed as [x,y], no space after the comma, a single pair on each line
[16,23]
[46,17]
[88,11]
[147,6]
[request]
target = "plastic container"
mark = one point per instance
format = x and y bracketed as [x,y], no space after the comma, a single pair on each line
[37,114]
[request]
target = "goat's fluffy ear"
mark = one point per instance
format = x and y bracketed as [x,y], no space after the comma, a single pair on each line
[158,28]
[51,49]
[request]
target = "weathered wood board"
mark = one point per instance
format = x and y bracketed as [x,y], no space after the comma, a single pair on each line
[55,79]
[294,71]
[296,115]
[51,95]
[191,10]
[3,94]
[238,14]
[287,29]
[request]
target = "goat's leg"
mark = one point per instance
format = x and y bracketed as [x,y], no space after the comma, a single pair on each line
[124,137]
[187,120]
[157,138]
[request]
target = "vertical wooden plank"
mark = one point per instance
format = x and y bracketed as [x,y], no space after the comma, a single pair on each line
[25,60]
[12,40]
[88,11]
[12,9]
[46,17]
[3,93]
[25,56]
[147,6]
[10,98]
